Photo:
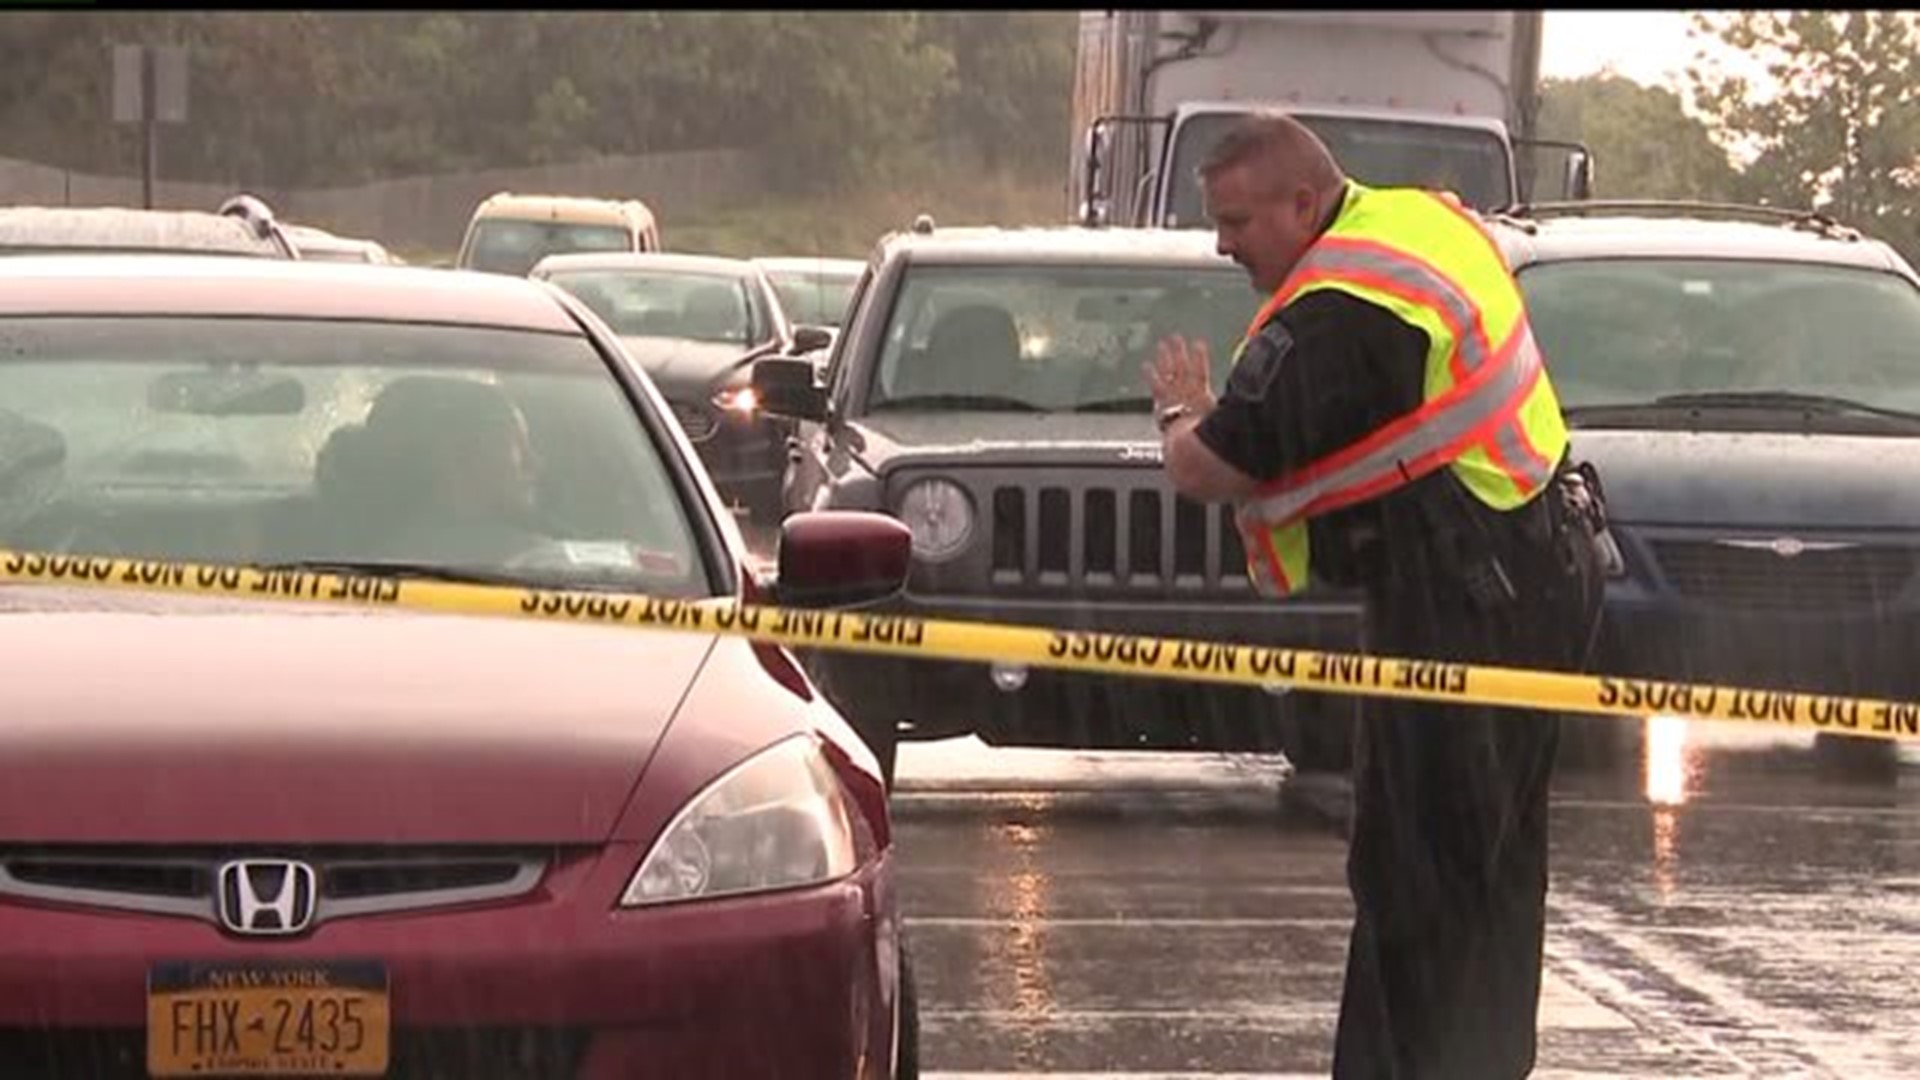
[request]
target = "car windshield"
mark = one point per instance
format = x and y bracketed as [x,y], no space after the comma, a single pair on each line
[268,441]
[1469,162]
[814,298]
[1051,338]
[699,306]
[1625,331]
[341,254]
[505,246]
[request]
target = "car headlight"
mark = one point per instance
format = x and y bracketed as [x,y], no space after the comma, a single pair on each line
[779,820]
[941,516]
[737,399]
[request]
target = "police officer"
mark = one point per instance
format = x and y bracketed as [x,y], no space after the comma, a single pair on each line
[1388,425]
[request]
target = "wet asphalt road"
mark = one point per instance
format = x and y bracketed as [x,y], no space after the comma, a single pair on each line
[1722,910]
[1158,916]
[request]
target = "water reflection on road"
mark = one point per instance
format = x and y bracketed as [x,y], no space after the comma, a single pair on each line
[1722,909]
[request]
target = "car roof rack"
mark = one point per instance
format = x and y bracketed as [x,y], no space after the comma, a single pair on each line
[260,220]
[1522,213]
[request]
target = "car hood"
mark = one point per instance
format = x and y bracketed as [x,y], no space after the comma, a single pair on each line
[988,438]
[1756,479]
[135,718]
[685,365]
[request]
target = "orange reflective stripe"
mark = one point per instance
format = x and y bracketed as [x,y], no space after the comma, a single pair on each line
[1414,443]
[1260,540]
[1428,461]
[1403,424]
[1267,311]
[1513,452]
[1409,277]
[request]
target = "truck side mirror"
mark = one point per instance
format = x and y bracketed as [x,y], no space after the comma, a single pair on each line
[1580,176]
[1573,166]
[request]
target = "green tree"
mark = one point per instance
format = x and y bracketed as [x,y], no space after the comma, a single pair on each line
[845,93]
[1012,89]
[1840,128]
[297,99]
[1644,144]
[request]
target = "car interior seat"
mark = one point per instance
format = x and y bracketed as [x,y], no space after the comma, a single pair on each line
[373,478]
[971,350]
[713,313]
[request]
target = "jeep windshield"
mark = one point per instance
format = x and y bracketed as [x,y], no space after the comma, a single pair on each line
[1725,341]
[1050,338]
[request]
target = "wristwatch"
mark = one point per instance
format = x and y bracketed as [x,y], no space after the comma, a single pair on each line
[1165,417]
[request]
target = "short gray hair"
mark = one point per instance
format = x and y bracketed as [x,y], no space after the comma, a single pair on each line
[1287,149]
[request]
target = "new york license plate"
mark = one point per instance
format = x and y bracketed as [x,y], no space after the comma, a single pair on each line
[271,1018]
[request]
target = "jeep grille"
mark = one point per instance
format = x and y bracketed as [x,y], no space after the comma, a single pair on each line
[1100,531]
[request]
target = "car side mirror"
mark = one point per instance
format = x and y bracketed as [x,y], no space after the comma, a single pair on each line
[840,558]
[806,339]
[788,386]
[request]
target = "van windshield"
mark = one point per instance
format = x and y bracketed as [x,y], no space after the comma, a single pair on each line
[505,246]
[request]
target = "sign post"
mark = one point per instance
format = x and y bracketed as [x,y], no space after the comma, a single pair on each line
[149,89]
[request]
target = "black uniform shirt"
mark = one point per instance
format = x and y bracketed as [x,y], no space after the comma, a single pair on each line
[1324,373]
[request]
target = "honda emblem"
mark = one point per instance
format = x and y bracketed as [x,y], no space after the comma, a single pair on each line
[267,897]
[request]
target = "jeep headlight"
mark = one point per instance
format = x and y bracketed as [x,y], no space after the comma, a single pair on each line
[779,820]
[940,513]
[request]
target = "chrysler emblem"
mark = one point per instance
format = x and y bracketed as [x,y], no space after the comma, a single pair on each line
[1788,547]
[267,896]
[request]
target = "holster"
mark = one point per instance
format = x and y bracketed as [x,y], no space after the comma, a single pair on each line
[1569,519]
[1464,548]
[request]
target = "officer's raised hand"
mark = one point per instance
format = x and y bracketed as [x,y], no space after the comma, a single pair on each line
[1179,376]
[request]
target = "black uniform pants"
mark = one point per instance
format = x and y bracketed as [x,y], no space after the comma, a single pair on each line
[1448,859]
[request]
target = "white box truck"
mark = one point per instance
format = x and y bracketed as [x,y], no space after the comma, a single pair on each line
[1443,99]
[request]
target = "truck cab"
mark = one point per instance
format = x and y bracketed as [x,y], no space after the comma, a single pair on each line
[1430,99]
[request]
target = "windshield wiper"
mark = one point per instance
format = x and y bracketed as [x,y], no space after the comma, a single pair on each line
[397,570]
[1782,399]
[960,401]
[1139,403]
[575,579]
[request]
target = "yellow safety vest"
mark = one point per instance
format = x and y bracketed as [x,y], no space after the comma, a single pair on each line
[1488,411]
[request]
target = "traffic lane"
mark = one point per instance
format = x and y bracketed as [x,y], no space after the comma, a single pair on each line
[1741,901]
[1127,932]
[1155,922]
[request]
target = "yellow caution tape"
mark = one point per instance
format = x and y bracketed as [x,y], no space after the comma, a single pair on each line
[1039,647]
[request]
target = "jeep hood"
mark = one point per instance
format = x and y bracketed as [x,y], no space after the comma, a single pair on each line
[996,437]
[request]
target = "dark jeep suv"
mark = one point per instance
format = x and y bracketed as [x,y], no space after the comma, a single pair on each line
[988,391]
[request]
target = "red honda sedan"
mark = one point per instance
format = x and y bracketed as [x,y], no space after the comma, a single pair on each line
[249,838]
